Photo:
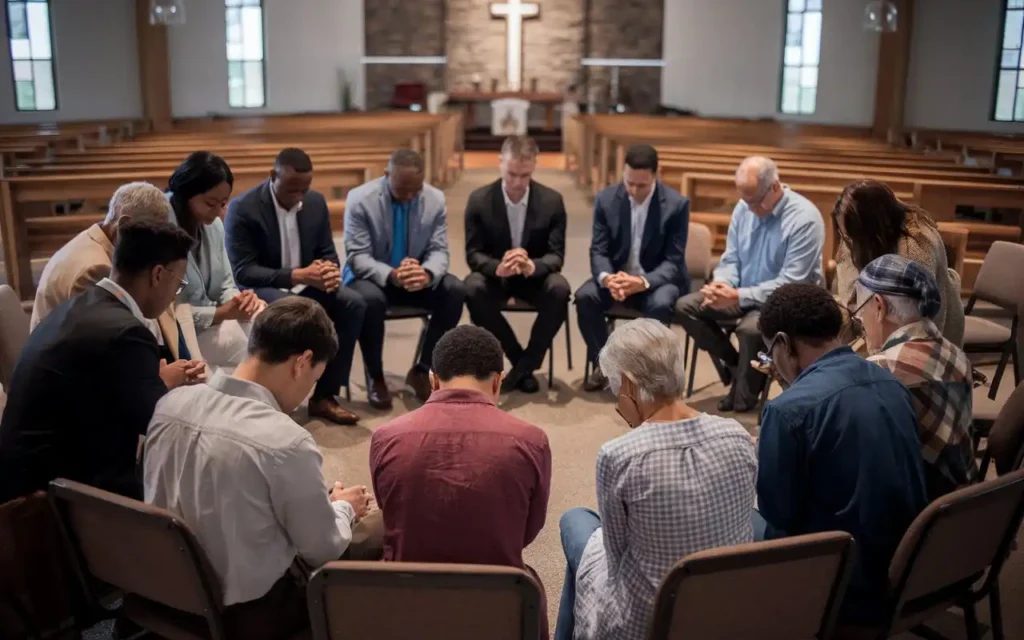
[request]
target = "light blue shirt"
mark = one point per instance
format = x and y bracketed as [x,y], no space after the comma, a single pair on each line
[762,254]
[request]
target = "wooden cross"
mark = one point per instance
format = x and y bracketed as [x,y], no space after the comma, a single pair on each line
[514,12]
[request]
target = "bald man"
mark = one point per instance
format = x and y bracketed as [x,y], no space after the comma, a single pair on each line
[776,236]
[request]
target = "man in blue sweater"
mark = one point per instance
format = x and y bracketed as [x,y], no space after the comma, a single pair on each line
[838,450]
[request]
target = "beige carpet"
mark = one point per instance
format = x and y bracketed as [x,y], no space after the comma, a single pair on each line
[577,423]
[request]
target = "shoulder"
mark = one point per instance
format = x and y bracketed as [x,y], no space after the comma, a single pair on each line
[249,198]
[364,192]
[802,213]
[673,198]
[544,192]
[481,195]
[433,198]
[606,197]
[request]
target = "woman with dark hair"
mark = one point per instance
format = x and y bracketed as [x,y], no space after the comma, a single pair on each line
[199,190]
[869,222]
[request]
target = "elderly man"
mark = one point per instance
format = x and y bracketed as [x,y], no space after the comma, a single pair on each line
[86,260]
[776,236]
[682,481]
[396,253]
[897,298]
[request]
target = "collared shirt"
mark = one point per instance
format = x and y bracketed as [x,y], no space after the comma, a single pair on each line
[118,292]
[246,479]
[938,375]
[637,221]
[460,480]
[764,253]
[400,231]
[288,223]
[664,491]
[838,451]
[516,216]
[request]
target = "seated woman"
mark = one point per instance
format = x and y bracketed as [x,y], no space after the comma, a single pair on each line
[199,190]
[870,222]
[682,481]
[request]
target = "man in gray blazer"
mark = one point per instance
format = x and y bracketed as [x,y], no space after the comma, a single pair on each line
[396,253]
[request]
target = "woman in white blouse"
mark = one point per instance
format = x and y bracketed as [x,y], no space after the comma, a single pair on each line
[199,190]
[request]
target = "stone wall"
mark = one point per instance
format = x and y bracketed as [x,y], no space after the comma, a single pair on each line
[402,28]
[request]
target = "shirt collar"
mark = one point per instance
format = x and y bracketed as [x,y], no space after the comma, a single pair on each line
[118,292]
[281,211]
[923,329]
[460,396]
[232,386]
[647,201]
[509,203]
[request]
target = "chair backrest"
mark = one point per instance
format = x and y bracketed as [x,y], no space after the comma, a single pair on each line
[1006,437]
[358,601]
[137,547]
[698,251]
[956,539]
[14,325]
[954,239]
[997,279]
[775,590]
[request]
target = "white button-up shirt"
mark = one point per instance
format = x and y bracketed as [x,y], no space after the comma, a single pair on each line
[288,223]
[118,292]
[246,479]
[516,216]
[637,221]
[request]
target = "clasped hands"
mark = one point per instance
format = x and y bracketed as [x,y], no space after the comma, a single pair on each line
[409,275]
[358,496]
[182,372]
[244,306]
[720,296]
[515,263]
[622,285]
[322,274]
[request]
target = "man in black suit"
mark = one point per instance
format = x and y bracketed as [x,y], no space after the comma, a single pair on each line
[279,241]
[515,246]
[89,376]
[637,252]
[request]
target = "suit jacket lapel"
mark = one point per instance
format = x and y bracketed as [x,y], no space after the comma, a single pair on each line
[532,216]
[273,228]
[387,218]
[653,223]
[500,218]
[625,220]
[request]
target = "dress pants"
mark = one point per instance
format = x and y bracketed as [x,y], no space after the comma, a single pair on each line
[444,302]
[702,324]
[225,345]
[346,309]
[576,527]
[592,300]
[550,295]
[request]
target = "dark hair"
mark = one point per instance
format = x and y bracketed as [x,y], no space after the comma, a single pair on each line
[642,156]
[874,218]
[200,172]
[143,244]
[289,327]
[468,350]
[295,158]
[803,312]
[406,158]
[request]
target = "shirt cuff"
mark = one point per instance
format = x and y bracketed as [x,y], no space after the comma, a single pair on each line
[600,278]
[203,317]
[344,510]
[745,297]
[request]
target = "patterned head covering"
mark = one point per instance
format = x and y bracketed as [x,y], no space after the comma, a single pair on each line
[895,275]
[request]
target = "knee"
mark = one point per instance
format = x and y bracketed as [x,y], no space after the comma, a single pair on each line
[475,286]
[588,297]
[350,303]
[690,304]
[557,287]
[453,289]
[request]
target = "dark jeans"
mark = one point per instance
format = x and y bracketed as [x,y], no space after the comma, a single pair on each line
[550,295]
[592,300]
[576,526]
[444,302]
[346,309]
[702,324]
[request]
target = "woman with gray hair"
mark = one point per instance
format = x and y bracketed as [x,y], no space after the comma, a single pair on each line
[679,482]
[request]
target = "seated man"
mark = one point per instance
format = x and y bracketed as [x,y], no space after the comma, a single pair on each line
[680,482]
[897,298]
[246,478]
[775,236]
[89,376]
[396,253]
[86,259]
[838,450]
[637,252]
[515,245]
[279,242]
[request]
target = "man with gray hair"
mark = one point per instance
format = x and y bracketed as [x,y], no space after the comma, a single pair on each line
[776,236]
[896,300]
[87,258]
[680,482]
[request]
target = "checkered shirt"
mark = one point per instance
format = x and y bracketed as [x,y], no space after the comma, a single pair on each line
[938,375]
[664,491]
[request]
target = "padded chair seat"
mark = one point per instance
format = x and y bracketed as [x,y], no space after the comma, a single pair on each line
[622,312]
[402,313]
[979,331]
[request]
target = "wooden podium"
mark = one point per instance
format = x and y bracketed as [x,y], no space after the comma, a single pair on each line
[469,98]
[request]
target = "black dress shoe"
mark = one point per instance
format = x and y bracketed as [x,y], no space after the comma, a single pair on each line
[744,406]
[725,404]
[378,395]
[528,384]
[418,379]
[597,380]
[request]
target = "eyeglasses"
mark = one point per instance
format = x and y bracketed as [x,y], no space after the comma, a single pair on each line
[183,282]
[855,313]
[765,357]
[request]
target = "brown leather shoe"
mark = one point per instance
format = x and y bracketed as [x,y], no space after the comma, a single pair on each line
[378,395]
[597,380]
[419,380]
[330,409]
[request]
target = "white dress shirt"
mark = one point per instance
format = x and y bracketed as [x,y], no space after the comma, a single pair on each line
[288,224]
[637,222]
[118,292]
[247,480]
[516,216]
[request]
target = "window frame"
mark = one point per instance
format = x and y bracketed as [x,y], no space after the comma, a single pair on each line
[52,59]
[999,70]
[240,4]
[779,105]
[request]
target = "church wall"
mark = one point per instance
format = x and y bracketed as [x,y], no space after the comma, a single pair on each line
[95,64]
[403,28]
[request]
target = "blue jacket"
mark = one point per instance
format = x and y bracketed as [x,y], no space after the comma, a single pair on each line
[838,451]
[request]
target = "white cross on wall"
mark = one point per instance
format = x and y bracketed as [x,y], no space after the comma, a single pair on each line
[514,12]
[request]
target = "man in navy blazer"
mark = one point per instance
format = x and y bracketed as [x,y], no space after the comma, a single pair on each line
[279,241]
[637,252]
[396,253]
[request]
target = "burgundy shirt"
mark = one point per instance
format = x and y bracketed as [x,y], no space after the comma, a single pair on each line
[459,480]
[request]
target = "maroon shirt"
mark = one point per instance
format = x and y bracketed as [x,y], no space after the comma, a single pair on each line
[459,480]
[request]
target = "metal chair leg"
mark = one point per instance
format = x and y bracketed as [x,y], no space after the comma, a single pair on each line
[348,393]
[693,369]
[971,621]
[419,343]
[686,348]
[551,365]
[994,387]
[568,340]
[996,608]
